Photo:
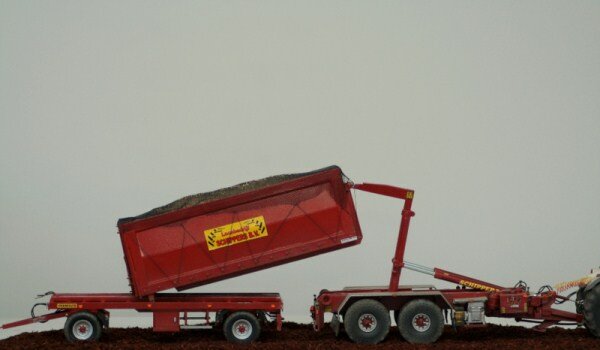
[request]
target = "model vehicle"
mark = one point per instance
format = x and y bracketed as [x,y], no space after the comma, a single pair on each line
[256,225]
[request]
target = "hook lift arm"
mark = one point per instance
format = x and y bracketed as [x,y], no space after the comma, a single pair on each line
[407,195]
[545,300]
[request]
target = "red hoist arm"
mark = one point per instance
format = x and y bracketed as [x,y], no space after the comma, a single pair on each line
[407,213]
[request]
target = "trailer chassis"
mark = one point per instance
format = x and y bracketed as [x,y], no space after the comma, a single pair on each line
[88,313]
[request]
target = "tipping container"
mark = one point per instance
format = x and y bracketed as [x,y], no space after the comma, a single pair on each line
[212,236]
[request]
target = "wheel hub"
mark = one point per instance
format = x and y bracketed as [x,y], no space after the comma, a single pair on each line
[367,323]
[421,322]
[242,329]
[82,330]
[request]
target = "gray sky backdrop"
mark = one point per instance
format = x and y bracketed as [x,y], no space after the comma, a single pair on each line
[490,110]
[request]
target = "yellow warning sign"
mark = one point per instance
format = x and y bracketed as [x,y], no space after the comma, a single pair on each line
[237,232]
[66,306]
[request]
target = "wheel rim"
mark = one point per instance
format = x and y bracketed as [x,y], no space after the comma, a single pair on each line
[242,329]
[421,322]
[367,323]
[82,330]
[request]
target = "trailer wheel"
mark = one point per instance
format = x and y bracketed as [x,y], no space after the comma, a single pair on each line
[82,327]
[591,310]
[241,327]
[420,322]
[367,321]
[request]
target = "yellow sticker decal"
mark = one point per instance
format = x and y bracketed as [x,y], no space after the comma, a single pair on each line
[237,232]
[409,195]
[477,286]
[66,306]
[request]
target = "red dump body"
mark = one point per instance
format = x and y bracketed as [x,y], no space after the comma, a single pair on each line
[310,214]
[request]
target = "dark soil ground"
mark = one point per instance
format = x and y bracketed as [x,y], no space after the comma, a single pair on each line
[296,336]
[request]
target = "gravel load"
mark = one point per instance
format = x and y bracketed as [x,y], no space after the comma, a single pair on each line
[199,198]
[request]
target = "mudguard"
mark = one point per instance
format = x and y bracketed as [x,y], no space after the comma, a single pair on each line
[591,285]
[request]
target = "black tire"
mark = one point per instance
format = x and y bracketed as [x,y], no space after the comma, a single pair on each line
[83,327]
[420,322]
[241,328]
[367,321]
[591,310]
[104,320]
[220,317]
[579,300]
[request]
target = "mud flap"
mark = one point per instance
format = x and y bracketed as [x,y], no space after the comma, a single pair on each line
[335,324]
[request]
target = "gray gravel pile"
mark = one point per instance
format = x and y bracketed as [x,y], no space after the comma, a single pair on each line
[195,199]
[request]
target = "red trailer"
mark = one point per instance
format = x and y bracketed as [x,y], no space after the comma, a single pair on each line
[212,236]
[420,311]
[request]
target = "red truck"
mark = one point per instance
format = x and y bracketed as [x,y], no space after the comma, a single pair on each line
[420,311]
[217,235]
